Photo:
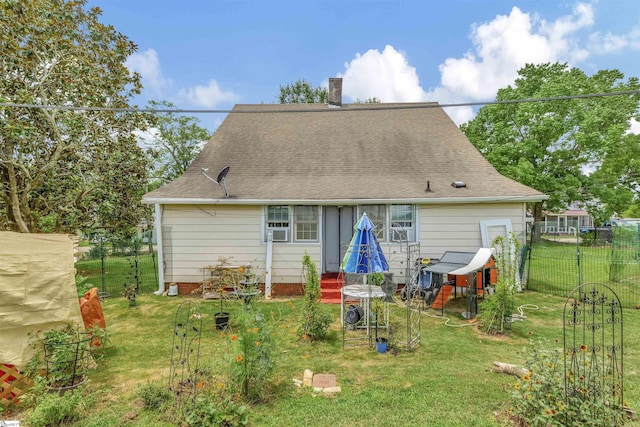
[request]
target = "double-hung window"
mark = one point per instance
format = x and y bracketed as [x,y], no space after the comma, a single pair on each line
[306,223]
[394,223]
[402,223]
[292,223]
[278,222]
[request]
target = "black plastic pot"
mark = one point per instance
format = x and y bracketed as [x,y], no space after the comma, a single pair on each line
[222,320]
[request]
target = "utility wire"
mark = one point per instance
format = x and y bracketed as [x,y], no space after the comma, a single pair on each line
[361,107]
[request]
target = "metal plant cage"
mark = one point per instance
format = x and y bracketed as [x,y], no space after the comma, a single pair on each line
[67,362]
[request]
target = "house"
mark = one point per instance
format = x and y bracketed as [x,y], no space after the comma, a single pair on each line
[300,175]
[570,221]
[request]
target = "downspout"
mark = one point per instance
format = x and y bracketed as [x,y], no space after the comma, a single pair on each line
[267,269]
[157,225]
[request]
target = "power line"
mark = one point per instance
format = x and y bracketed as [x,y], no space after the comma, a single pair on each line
[362,107]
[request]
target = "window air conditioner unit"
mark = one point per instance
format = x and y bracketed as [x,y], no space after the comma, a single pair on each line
[400,235]
[280,234]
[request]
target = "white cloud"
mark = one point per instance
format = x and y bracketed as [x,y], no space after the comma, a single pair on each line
[612,43]
[147,65]
[385,75]
[505,44]
[500,48]
[206,96]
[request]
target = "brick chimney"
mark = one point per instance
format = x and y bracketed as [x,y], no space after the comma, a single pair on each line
[335,92]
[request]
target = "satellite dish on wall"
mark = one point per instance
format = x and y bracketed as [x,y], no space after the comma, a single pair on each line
[220,179]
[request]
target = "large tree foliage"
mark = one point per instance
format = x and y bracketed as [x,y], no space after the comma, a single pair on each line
[301,92]
[177,141]
[575,151]
[67,169]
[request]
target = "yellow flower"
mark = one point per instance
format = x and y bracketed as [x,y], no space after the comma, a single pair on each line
[220,386]
[517,386]
[526,377]
[239,358]
[255,330]
[258,343]
[234,337]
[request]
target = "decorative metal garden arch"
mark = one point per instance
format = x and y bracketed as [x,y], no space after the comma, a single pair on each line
[187,331]
[593,351]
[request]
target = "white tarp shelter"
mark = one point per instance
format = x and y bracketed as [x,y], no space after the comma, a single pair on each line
[37,290]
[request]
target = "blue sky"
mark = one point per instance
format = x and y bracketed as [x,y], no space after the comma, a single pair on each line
[214,54]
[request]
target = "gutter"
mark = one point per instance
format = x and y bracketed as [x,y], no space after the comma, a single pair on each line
[422,201]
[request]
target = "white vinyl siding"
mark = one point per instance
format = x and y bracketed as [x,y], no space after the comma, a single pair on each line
[194,237]
[457,227]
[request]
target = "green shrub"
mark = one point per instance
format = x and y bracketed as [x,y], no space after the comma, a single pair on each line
[52,409]
[315,319]
[497,309]
[98,251]
[82,286]
[155,395]
[207,412]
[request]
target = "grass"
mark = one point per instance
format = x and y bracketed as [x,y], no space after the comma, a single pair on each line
[120,270]
[556,269]
[447,381]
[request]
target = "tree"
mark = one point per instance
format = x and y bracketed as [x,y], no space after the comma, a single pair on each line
[65,169]
[177,142]
[567,149]
[301,92]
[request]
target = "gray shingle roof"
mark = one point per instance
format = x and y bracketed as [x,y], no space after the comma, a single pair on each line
[299,152]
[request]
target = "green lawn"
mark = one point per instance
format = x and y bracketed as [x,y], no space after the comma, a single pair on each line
[120,270]
[447,381]
[555,268]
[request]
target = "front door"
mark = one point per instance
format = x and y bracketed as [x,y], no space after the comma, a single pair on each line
[338,222]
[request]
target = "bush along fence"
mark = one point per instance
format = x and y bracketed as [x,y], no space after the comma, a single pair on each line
[112,265]
[555,263]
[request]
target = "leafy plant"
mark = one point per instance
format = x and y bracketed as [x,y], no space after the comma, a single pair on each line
[207,412]
[98,251]
[251,356]
[315,319]
[497,309]
[82,286]
[538,397]
[130,293]
[155,395]
[53,409]
[65,354]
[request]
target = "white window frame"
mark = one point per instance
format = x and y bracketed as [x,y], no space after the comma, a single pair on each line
[297,222]
[390,228]
[278,224]
[290,226]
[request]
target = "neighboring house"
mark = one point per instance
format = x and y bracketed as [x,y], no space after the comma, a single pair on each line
[571,221]
[304,173]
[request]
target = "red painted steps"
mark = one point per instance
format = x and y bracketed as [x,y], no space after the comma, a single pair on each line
[330,285]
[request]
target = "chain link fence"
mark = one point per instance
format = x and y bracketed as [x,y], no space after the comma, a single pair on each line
[556,262]
[111,264]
